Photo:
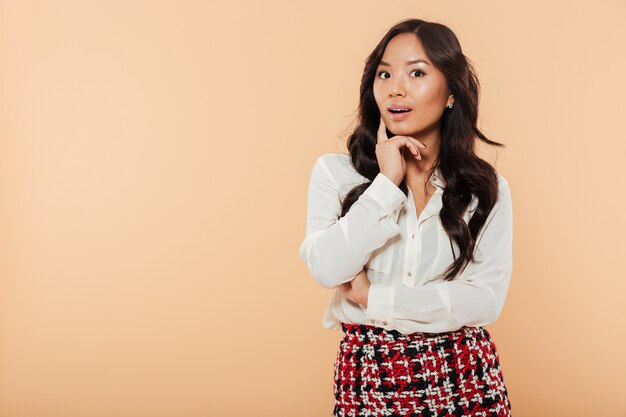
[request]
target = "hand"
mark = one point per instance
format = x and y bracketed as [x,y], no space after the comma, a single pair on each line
[357,289]
[388,153]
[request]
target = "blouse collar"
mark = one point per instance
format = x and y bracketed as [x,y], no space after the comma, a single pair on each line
[437,179]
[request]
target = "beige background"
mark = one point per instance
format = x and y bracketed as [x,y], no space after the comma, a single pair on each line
[154,164]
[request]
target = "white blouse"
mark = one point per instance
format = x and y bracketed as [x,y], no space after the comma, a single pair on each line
[404,255]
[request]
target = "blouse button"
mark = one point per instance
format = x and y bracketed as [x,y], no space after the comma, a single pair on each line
[385,323]
[408,273]
[412,236]
[373,321]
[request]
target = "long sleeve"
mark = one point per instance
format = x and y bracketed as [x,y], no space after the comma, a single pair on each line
[336,249]
[475,297]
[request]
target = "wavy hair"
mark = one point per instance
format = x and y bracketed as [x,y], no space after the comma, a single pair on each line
[464,173]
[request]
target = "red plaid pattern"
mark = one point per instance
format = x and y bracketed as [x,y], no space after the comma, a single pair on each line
[382,372]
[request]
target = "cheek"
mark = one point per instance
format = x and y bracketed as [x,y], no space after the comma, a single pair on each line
[378,95]
[431,103]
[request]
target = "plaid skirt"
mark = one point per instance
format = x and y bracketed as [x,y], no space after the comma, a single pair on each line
[382,372]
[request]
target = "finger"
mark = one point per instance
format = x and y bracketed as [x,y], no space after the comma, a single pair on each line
[382,131]
[416,145]
[405,141]
[348,294]
[411,146]
[416,142]
[363,275]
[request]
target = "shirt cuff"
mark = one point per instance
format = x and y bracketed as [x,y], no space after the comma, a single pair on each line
[386,193]
[380,300]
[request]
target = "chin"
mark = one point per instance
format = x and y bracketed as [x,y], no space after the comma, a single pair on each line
[399,130]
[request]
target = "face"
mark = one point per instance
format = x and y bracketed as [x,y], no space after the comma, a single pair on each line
[418,86]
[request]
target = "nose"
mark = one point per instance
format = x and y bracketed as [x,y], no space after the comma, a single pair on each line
[396,89]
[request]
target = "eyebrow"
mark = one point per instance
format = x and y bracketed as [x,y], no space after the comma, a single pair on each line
[413,61]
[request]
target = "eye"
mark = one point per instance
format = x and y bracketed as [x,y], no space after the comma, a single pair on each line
[385,72]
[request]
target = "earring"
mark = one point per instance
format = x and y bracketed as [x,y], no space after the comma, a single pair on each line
[450,105]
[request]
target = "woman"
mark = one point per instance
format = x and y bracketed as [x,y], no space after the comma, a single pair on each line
[413,231]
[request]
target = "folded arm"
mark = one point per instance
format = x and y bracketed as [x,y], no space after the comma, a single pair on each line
[475,297]
[336,249]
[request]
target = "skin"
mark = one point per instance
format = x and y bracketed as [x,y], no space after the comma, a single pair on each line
[412,152]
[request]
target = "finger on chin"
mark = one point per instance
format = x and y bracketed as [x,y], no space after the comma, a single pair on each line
[382,131]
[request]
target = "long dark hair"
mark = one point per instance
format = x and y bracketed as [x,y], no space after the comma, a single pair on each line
[463,172]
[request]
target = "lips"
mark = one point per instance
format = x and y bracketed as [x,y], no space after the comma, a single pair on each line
[398,109]
[398,116]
